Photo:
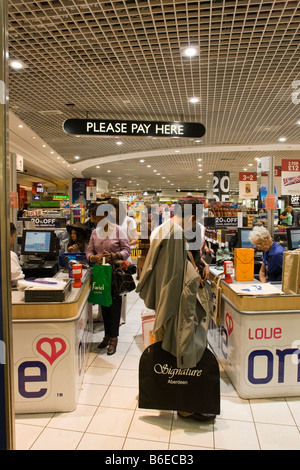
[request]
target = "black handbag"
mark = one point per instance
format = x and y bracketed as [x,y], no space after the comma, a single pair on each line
[122,283]
[163,386]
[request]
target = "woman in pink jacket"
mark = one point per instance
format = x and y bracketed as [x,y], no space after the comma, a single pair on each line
[110,241]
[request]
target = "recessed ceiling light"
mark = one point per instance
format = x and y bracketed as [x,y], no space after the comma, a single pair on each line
[194,100]
[108,171]
[199,159]
[44,145]
[154,171]
[20,126]
[77,157]
[142,161]
[148,166]
[52,153]
[177,151]
[16,64]
[97,166]
[119,142]
[282,139]
[58,158]
[245,169]
[250,164]
[298,122]
[191,51]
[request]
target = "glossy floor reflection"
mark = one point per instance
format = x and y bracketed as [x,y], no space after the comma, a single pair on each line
[107,416]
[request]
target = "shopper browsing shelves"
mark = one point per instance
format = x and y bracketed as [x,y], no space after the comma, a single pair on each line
[286,218]
[271,268]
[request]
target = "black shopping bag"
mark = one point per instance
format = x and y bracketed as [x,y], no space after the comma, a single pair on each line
[163,386]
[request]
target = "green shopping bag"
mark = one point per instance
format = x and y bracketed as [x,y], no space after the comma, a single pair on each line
[101,285]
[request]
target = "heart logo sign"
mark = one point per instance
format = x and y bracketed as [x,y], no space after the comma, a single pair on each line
[229,323]
[42,347]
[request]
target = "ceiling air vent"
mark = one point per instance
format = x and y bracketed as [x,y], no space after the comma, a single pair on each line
[51,112]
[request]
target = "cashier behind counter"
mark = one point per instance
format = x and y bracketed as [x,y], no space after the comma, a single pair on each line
[271,268]
[16,270]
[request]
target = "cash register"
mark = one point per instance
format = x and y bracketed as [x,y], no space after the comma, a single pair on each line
[40,249]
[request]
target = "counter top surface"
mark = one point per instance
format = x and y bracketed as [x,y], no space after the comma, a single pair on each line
[255,301]
[52,310]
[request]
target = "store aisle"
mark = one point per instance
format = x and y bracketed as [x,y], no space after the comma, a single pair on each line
[107,416]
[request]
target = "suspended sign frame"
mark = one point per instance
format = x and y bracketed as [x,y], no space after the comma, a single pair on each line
[100,127]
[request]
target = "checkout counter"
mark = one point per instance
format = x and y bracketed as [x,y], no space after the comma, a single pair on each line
[50,345]
[257,338]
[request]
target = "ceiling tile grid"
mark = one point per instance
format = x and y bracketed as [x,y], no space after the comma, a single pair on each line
[122,59]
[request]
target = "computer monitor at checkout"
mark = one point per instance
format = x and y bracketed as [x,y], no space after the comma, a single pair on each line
[293,236]
[37,242]
[243,237]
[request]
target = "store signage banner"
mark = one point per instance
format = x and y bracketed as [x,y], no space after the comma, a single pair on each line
[294,201]
[79,191]
[99,127]
[91,190]
[221,186]
[247,185]
[19,163]
[290,177]
[14,200]
[47,222]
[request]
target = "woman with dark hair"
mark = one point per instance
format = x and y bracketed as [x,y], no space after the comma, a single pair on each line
[77,238]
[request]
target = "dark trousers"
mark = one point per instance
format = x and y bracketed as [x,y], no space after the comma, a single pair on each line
[111,317]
